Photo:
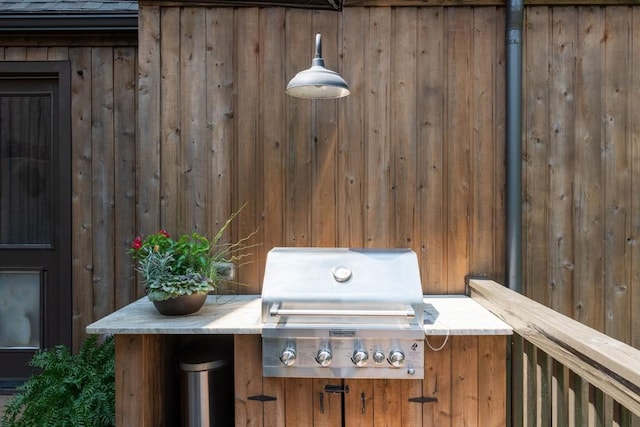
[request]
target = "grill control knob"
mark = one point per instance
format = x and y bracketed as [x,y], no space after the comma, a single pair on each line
[378,356]
[324,357]
[360,358]
[396,358]
[288,356]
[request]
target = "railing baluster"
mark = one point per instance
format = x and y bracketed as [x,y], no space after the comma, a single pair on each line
[559,395]
[596,407]
[543,396]
[578,400]
[517,381]
[529,376]
[621,416]
[607,410]
[563,372]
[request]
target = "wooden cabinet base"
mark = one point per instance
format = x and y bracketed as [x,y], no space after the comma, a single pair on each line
[464,384]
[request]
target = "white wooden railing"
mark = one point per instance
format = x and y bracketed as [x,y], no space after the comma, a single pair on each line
[563,373]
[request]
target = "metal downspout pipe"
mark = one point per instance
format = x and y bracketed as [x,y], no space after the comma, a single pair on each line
[514,23]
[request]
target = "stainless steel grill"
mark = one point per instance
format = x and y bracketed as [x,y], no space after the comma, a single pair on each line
[342,313]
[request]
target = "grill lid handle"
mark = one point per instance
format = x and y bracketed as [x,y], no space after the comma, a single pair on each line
[409,312]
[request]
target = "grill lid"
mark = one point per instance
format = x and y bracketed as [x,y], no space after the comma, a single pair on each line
[341,285]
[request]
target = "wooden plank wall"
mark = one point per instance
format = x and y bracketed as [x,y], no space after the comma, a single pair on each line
[103,103]
[582,164]
[412,158]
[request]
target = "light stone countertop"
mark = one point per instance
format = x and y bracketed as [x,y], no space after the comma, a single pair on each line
[460,315]
[240,314]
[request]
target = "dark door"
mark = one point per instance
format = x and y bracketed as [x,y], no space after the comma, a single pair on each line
[35,217]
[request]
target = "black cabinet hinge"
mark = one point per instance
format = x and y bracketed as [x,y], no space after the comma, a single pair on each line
[329,388]
[423,399]
[262,398]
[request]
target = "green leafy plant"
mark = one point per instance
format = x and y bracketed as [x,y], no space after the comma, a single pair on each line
[70,390]
[187,265]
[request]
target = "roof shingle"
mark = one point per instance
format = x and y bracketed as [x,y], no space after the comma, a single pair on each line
[68,6]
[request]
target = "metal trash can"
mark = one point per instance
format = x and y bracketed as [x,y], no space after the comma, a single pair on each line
[207,387]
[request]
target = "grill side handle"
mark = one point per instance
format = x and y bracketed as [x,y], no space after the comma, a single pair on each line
[275,310]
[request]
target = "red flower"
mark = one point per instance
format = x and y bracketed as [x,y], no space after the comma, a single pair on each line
[137,243]
[164,233]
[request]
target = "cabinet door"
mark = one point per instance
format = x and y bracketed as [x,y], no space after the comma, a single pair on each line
[467,379]
[327,404]
[383,402]
[359,403]
[258,401]
[313,402]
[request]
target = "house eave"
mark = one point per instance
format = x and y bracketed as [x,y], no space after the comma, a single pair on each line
[14,23]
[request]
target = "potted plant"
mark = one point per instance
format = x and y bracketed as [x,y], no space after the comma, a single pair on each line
[179,273]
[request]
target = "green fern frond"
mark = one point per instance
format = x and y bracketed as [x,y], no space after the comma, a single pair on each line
[69,391]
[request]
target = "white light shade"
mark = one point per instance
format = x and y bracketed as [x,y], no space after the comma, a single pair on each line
[318,82]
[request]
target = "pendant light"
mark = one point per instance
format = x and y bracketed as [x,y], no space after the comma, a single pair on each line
[317,82]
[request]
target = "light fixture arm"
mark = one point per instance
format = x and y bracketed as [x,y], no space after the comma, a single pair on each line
[318,45]
[317,60]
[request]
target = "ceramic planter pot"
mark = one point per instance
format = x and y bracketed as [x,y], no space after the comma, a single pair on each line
[181,305]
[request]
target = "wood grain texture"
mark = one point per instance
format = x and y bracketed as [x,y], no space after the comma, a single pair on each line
[81,202]
[360,392]
[103,117]
[394,163]
[351,133]
[102,181]
[458,131]
[437,382]
[579,164]
[617,173]
[403,144]
[327,407]
[124,133]
[299,402]
[634,99]
[492,381]
[298,186]
[144,382]
[171,127]
[248,144]
[589,171]
[378,200]
[431,84]
[220,124]
[324,142]
[148,178]
[464,381]
[560,159]
[274,135]
[247,373]
[536,184]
